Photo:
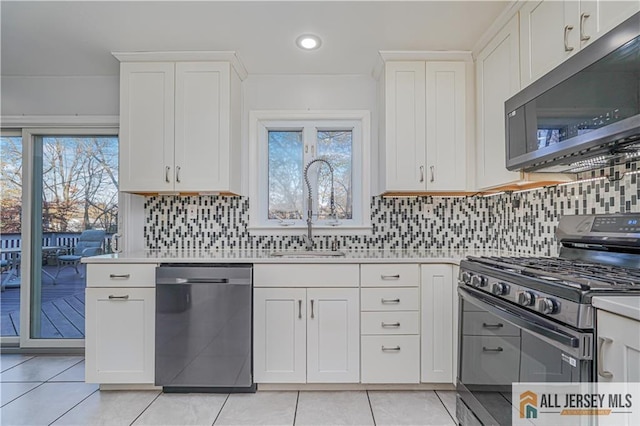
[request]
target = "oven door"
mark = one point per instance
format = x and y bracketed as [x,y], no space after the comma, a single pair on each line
[501,343]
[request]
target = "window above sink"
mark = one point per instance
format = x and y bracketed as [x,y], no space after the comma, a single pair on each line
[281,143]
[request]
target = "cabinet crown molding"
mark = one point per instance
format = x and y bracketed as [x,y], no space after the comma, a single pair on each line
[183,56]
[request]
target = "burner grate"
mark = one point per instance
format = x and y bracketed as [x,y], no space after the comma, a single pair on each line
[567,272]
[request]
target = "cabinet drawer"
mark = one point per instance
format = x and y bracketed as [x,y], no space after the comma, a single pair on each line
[390,299]
[390,275]
[390,359]
[490,360]
[487,324]
[121,275]
[390,322]
[305,275]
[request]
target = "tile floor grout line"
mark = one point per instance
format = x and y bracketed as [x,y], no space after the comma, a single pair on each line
[20,363]
[21,395]
[373,416]
[295,412]
[70,367]
[455,422]
[145,408]
[79,402]
[221,408]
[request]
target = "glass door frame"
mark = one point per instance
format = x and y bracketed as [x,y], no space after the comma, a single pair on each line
[29,136]
[13,341]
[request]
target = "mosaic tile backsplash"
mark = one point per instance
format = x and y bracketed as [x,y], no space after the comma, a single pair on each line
[522,222]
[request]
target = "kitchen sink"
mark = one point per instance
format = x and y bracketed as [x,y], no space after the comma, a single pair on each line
[307,253]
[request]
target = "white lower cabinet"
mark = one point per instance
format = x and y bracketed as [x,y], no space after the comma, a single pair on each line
[391,359]
[619,348]
[390,323]
[438,318]
[120,335]
[306,335]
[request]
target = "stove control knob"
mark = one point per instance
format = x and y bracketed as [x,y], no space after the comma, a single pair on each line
[500,289]
[466,277]
[478,281]
[547,306]
[526,298]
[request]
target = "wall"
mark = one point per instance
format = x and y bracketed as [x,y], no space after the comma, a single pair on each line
[67,95]
[521,222]
[307,93]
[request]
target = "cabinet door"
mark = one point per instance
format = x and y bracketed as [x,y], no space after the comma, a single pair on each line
[446,161]
[599,16]
[146,126]
[279,335]
[437,324]
[497,79]
[620,350]
[333,335]
[542,36]
[120,335]
[405,118]
[202,126]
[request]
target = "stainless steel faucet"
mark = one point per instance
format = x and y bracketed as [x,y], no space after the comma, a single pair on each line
[309,236]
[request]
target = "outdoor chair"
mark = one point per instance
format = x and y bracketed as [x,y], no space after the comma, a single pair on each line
[89,244]
[10,268]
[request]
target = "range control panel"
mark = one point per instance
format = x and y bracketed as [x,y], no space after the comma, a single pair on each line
[624,224]
[602,229]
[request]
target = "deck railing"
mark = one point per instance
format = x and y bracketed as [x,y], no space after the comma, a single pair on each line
[49,239]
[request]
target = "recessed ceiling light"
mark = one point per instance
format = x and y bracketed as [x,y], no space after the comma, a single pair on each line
[308,42]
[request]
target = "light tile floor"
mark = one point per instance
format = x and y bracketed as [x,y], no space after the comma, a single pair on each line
[45,390]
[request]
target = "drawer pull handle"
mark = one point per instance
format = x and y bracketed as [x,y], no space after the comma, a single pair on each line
[112,297]
[120,276]
[393,324]
[299,309]
[390,277]
[583,36]
[498,349]
[312,316]
[567,48]
[385,301]
[396,349]
[498,325]
[601,371]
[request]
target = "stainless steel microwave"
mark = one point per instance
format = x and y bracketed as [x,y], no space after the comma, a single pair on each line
[585,113]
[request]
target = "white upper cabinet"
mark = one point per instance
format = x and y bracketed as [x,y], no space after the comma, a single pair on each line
[446,126]
[551,31]
[405,119]
[424,126]
[497,79]
[146,126]
[179,127]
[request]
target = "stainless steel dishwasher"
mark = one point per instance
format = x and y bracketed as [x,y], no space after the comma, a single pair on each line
[204,328]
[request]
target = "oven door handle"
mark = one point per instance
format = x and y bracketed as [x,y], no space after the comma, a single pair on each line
[528,323]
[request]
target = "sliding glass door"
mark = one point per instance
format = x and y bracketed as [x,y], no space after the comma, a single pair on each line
[10,233]
[70,214]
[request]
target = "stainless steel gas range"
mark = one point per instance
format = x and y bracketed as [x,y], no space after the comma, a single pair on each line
[530,319]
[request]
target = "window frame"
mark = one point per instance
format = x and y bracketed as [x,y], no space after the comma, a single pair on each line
[261,122]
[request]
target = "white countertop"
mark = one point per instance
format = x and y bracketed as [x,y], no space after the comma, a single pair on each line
[627,306]
[264,256]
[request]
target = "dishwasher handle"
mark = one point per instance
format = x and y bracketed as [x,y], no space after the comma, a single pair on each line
[174,281]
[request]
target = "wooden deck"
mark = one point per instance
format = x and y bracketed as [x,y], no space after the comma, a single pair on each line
[62,310]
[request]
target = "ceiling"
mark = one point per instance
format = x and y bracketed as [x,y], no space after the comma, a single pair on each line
[76,38]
